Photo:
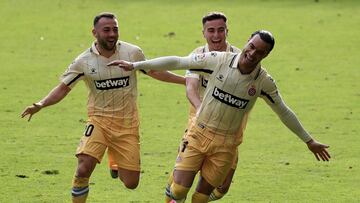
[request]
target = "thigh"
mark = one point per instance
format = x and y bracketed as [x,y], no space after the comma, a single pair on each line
[93,141]
[129,178]
[184,178]
[191,154]
[125,149]
[224,187]
[204,187]
[217,165]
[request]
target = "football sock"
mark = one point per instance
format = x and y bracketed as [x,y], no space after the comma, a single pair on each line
[112,164]
[199,198]
[215,195]
[80,189]
[178,192]
[167,189]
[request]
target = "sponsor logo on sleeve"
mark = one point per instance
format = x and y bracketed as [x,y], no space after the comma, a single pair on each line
[199,57]
[229,99]
[112,83]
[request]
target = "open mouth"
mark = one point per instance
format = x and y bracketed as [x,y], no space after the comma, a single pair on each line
[249,58]
[216,41]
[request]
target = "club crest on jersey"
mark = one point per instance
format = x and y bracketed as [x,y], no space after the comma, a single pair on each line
[92,70]
[252,91]
[229,99]
[220,77]
[112,83]
[199,57]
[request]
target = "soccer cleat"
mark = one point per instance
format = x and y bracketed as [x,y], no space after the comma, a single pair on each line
[114,173]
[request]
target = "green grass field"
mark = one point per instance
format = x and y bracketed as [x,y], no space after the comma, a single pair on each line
[314,61]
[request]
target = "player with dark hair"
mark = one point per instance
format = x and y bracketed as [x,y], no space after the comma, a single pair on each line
[215,32]
[113,121]
[211,143]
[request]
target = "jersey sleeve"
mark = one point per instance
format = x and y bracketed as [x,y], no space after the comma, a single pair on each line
[273,98]
[138,55]
[205,62]
[73,74]
[194,61]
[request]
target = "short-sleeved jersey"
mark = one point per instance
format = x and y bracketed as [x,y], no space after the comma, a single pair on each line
[112,91]
[230,95]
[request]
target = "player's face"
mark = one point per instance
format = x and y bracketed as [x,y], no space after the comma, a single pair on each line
[106,32]
[215,32]
[253,52]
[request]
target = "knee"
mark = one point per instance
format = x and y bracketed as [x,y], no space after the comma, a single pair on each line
[82,171]
[86,165]
[131,183]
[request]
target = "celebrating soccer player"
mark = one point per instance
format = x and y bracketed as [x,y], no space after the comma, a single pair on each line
[236,81]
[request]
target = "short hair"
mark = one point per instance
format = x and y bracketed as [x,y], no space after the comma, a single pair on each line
[213,16]
[103,15]
[266,36]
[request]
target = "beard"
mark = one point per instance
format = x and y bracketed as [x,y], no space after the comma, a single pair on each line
[109,46]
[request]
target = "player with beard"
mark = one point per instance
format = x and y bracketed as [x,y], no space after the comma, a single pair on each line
[113,121]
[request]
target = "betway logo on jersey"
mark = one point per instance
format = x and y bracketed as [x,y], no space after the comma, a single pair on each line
[229,99]
[112,83]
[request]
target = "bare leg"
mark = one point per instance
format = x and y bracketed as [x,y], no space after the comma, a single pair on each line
[129,178]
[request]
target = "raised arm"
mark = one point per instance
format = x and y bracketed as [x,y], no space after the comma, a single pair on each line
[54,96]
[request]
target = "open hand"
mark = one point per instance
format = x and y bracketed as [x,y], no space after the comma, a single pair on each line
[128,66]
[31,110]
[319,150]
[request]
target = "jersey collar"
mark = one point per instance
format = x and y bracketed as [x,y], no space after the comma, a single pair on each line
[254,74]
[94,50]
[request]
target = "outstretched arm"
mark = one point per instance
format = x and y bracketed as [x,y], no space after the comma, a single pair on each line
[288,117]
[195,61]
[319,150]
[167,76]
[161,63]
[54,96]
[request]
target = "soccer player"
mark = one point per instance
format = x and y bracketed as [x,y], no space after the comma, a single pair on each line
[113,121]
[236,81]
[215,32]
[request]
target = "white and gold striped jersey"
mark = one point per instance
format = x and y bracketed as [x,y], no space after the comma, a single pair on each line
[112,91]
[203,77]
[230,95]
